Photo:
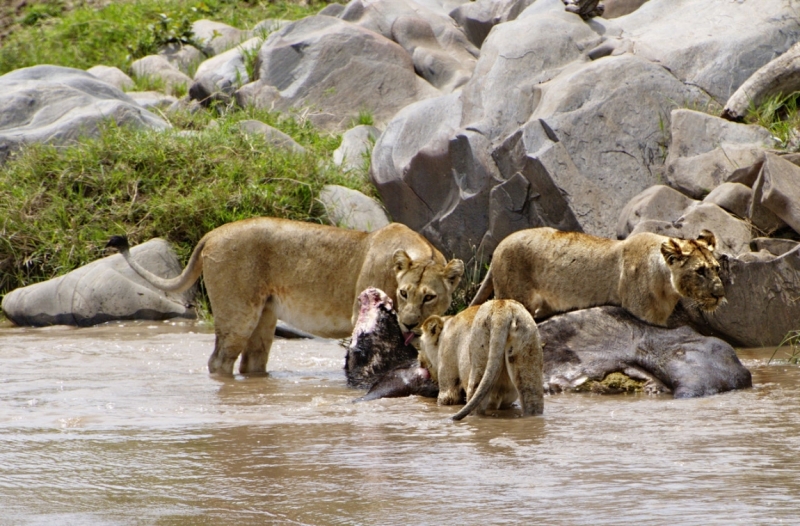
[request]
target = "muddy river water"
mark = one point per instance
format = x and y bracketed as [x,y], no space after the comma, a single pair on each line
[121,424]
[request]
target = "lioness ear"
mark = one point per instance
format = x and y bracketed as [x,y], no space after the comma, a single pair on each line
[453,272]
[707,237]
[401,261]
[671,250]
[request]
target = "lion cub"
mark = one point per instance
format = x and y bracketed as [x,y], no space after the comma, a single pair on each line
[492,351]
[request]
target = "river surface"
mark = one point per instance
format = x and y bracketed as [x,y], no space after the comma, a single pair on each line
[121,424]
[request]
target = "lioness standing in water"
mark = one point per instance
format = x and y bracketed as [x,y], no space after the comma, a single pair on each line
[259,270]
[491,352]
[550,271]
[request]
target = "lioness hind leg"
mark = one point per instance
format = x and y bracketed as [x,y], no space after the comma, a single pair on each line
[256,354]
[528,378]
[233,328]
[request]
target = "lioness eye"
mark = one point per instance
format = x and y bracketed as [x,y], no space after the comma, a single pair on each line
[403,294]
[701,271]
[429,297]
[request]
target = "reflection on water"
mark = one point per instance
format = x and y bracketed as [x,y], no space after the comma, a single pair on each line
[123,425]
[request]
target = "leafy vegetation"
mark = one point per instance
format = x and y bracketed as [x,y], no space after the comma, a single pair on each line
[58,206]
[122,31]
[792,342]
[779,114]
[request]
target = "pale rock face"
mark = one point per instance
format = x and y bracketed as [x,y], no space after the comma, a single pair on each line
[104,290]
[56,105]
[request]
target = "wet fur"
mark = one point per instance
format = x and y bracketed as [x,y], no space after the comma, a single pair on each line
[262,269]
[492,352]
[550,271]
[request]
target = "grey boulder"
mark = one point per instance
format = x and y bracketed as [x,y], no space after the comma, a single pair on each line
[762,304]
[272,136]
[220,76]
[778,189]
[159,68]
[333,70]
[351,209]
[706,150]
[657,203]
[56,105]
[357,142]
[104,290]
[112,75]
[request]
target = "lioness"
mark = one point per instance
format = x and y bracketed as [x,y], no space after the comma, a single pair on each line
[550,271]
[492,350]
[259,270]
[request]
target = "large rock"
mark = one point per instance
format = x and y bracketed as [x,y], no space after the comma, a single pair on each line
[220,76]
[733,235]
[382,15]
[713,44]
[477,18]
[576,114]
[216,37]
[335,69]
[351,209]
[56,105]
[159,68]
[706,150]
[112,75]
[657,203]
[353,152]
[104,290]
[775,79]
[273,136]
[778,189]
[762,304]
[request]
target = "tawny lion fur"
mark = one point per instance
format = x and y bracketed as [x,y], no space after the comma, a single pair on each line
[492,352]
[550,271]
[259,270]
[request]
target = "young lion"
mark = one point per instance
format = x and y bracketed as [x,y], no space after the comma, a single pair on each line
[550,271]
[494,348]
[262,269]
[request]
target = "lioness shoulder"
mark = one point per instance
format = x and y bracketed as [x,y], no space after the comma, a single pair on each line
[550,271]
[259,270]
[488,355]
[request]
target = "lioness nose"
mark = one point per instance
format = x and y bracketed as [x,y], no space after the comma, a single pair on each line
[718,291]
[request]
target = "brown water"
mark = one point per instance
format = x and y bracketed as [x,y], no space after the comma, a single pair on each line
[123,425]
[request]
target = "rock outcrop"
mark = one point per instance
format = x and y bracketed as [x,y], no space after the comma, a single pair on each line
[56,105]
[104,290]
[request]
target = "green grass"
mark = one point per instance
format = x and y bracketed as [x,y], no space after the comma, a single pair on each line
[58,206]
[792,341]
[126,30]
[779,114]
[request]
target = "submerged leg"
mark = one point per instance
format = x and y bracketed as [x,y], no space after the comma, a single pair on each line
[256,354]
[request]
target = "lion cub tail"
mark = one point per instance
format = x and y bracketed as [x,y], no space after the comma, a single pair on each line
[179,283]
[498,338]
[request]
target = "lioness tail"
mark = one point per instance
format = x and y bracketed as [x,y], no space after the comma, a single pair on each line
[179,283]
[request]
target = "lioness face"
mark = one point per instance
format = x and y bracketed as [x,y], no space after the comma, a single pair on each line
[695,270]
[423,288]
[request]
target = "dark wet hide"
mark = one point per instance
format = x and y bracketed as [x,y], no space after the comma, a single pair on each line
[378,359]
[592,343]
